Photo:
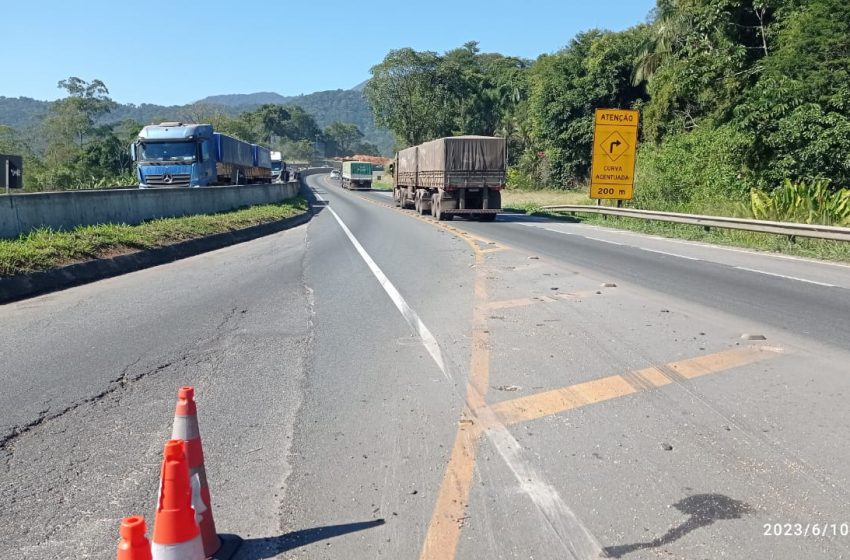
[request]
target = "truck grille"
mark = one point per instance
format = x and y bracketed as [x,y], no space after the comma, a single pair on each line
[168,180]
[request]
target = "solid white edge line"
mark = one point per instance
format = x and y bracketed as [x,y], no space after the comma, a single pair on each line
[561,519]
[807,281]
[401,304]
[669,254]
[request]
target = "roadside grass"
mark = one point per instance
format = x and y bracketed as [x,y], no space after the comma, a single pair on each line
[384,185]
[45,248]
[533,201]
[802,247]
[530,202]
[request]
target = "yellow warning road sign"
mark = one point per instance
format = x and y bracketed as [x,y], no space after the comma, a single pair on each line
[614,148]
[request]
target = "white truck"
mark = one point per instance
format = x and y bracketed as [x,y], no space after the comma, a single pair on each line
[279,172]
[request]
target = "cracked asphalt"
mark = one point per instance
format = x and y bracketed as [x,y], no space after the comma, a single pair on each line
[593,397]
[90,378]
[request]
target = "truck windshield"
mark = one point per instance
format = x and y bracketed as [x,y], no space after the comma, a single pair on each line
[276,167]
[167,151]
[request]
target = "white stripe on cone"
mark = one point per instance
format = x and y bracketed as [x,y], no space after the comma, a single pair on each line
[190,550]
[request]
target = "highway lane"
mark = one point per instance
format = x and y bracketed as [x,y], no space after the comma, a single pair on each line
[94,371]
[654,472]
[800,296]
[374,384]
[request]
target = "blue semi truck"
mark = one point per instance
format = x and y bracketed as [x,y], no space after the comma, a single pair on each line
[173,154]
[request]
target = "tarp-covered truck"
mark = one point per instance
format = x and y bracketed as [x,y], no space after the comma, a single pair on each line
[459,175]
[174,154]
[356,175]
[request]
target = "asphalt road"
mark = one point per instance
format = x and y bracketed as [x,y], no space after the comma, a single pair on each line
[376,384]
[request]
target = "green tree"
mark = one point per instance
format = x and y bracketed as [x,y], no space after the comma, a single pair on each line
[301,125]
[593,71]
[343,138]
[268,121]
[77,113]
[366,148]
[296,150]
[797,112]
[701,56]
[408,97]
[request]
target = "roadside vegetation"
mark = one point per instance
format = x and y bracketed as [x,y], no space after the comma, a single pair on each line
[385,184]
[810,203]
[745,108]
[801,247]
[531,202]
[70,148]
[44,249]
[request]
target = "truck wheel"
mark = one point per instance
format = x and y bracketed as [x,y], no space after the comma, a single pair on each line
[396,201]
[440,215]
[434,199]
[416,206]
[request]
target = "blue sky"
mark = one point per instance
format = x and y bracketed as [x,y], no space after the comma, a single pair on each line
[180,51]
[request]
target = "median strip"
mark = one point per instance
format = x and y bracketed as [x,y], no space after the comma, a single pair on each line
[46,261]
[46,249]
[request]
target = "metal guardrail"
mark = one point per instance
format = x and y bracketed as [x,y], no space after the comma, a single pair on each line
[790,229]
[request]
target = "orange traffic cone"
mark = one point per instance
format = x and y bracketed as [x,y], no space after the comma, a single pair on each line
[186,429]
[134,545]
[175,531]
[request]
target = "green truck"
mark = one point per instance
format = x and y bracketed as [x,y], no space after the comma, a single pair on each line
[356,175]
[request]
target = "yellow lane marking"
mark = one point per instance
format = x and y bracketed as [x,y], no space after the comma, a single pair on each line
[450,510]
[466,236]
[547,403]
[447,520]
[702,365]
[522,302]
[509,303]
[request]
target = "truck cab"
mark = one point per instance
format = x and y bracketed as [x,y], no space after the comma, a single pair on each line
[172,154]
[279,171]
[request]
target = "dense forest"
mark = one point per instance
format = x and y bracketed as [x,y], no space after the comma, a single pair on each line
[82,140]
[739,98]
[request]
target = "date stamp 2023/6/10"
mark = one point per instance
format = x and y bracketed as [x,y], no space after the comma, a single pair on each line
[824,530]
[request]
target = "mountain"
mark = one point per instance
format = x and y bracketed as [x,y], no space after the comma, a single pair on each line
[346,106]
[21,112]
[245,99]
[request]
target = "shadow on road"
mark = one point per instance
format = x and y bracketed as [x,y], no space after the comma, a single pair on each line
[257,549]
[316,205]
[510,216]
[703,509]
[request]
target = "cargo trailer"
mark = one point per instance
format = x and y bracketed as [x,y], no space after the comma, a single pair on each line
[356,175]
[447,177]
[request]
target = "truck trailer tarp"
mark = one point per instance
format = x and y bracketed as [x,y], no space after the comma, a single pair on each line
[457,153]
[262,156]
[233,151]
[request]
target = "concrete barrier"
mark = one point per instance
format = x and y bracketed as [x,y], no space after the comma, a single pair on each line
[21,213]
[304,173]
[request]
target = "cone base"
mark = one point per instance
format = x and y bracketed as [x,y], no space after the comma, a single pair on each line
[229,545]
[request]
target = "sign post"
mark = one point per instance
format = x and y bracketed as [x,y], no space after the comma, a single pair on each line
[12,172]
[614,148]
